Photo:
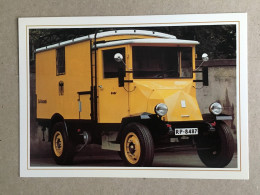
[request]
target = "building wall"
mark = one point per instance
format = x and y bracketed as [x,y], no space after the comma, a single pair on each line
[222,88]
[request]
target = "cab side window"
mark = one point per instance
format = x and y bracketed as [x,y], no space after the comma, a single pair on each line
[186,62]
[109,64]
[60,61]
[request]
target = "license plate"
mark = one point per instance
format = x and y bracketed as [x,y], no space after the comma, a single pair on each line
[186,131]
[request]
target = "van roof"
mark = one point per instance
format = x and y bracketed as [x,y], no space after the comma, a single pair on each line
[148,42]
[162,36]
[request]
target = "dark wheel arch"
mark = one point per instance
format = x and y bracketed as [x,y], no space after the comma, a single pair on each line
[55,119]
[143,118]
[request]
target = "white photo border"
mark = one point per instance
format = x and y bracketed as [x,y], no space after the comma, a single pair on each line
[239,19]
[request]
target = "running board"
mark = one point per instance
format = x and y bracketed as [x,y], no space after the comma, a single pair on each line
[108,141]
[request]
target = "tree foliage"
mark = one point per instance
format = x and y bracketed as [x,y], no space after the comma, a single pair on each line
[219,41]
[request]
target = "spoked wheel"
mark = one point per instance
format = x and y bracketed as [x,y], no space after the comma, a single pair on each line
[137,146]
[63,149]
[217,149]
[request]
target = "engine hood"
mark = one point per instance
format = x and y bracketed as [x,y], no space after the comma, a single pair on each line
[178,95]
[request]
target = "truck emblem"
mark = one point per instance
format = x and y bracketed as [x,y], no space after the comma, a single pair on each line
[113,93]
[42,101]
[183,104]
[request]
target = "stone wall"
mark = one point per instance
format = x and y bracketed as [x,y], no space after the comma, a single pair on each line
[222,88]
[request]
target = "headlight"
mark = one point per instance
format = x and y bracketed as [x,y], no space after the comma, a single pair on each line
[161,109]
[215,108]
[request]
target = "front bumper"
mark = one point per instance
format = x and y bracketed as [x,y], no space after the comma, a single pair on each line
[211,118]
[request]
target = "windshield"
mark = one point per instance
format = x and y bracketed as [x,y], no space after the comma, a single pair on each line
[162,62]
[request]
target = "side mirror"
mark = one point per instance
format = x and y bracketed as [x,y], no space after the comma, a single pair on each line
[118,57]
[121,69]
[205,76]
[205,73]
[205,57]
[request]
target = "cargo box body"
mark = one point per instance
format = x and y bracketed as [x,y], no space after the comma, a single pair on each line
[58,93]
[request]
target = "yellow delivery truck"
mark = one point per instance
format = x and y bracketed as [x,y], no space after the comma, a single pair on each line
[131,91]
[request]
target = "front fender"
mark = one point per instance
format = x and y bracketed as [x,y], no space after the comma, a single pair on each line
[142,118]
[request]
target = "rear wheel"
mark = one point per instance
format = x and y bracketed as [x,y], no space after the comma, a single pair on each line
[63,149]
[137,147]
[217,149]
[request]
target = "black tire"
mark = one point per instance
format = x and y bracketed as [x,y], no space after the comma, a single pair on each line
[63,150]
[120,154]
[221,144]
[137,147]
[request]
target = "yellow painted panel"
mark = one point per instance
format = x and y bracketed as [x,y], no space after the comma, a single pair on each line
[112,100]
[150,92]
[76,78]
[85,106]
[46,85]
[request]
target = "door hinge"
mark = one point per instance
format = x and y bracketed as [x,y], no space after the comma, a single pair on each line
[79,105]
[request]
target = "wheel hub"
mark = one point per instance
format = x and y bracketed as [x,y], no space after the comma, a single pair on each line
[58,144]
[132,148]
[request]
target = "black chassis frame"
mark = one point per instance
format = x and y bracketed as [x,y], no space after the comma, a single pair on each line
[162,131]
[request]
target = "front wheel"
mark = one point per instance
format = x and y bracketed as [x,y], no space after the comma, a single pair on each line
[137,147]
[217,149]
[63,149]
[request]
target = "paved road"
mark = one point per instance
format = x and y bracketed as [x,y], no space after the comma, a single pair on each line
[94,156]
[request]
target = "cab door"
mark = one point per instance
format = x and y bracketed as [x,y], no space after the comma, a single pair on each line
[112,101]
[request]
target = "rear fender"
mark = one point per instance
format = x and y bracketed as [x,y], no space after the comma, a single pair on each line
[55,119]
